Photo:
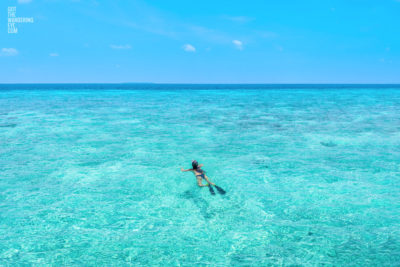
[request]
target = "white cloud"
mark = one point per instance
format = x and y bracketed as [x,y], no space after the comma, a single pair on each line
[53,54]
[24,1]
[120,46]
[189,48]
[238,44]
[9,52]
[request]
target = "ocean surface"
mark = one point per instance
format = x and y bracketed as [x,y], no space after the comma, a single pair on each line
[90,175]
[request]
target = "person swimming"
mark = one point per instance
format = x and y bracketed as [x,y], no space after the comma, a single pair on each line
[199,173]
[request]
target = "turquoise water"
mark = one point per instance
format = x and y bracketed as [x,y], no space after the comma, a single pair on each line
[90,175]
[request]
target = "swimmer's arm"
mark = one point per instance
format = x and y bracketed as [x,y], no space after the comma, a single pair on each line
[201,165]
[188,170]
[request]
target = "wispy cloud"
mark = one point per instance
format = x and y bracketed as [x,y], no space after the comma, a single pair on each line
[120,46]
[238,44]
[24,1]
[140,16]
[240,19]
[8,52]
[143,17]
[53,54]
[210,35]
[189,48]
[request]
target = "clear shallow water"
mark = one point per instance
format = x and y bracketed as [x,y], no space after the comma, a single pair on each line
[90,174]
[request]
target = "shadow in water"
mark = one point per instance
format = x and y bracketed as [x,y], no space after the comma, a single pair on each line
[8,125]
[328,144]
[200,202]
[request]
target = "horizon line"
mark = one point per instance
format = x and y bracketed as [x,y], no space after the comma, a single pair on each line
[167,83]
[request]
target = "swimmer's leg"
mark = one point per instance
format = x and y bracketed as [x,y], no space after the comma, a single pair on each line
[211,189]
[208,181]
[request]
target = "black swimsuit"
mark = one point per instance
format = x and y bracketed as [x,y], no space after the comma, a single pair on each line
[202,173]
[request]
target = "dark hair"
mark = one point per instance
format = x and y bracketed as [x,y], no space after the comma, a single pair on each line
[195,164]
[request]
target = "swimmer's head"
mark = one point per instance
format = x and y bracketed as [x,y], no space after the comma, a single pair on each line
[195,164]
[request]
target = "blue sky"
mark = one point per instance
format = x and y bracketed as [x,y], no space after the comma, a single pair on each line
[321,41]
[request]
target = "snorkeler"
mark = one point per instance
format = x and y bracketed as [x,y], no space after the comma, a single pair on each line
[200,175]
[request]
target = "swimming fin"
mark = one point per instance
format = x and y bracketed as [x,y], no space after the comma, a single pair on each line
[211,189]
[220,190]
